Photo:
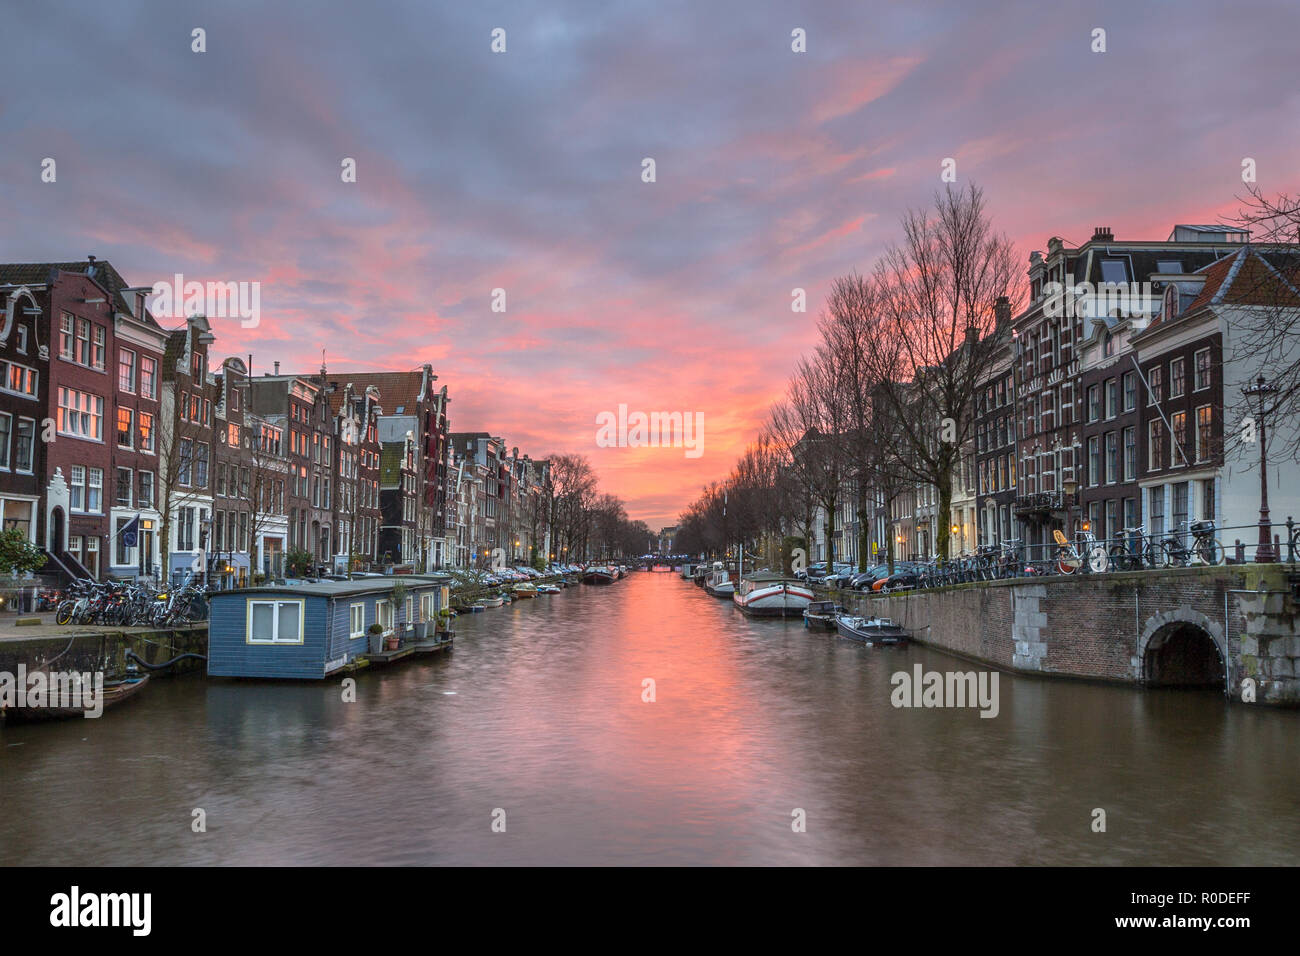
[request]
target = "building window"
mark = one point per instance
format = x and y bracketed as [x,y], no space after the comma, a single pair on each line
[95,490]
[146,431]
[125,429]
[1155,383]
[1094,402]
[146,489]
[1094,460]
[6,427]
[1157,511]
[97,355]
[1112,398]
[275,622]
[1178,452]
[1130,391]
[185,529]
[1112,458]
[186,463]
[1204,433]
[219,531]
[1155,445]
[1207,499]
[1204,378]
[81,414]
[384,615]
[66,338]
[148,377]
[126,370]
[123,496]
[1130,453]
[1180,500]
[1177,378]
[25,450]
[356,621]
[201,465]
[77,488]
[123,556]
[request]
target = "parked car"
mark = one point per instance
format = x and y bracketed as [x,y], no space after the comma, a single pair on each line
[906,574]
[840,576]
[863,580]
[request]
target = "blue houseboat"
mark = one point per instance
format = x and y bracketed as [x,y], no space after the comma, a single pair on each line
[311,630]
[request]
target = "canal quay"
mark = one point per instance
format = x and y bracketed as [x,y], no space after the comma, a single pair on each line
[542,718]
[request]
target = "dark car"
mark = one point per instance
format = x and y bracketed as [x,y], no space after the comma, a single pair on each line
[863,580]
[905,575]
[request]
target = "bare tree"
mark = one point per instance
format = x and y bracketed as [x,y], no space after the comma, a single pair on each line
[1266,327]
[937,294]
[809,428]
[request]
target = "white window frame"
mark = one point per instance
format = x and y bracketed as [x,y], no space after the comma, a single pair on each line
[357,620]
[275,619]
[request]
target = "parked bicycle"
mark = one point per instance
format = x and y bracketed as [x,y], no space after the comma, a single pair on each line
[1072,554]
[1205,547]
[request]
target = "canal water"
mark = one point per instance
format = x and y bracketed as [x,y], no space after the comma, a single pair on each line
[537,720]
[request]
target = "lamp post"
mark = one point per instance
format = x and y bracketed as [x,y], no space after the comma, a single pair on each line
[1264,550]
[1070,486]
[956,530]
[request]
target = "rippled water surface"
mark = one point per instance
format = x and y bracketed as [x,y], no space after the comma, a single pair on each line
[538,712]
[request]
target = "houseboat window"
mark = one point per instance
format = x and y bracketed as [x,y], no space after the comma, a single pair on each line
[357,620]
[428,606]
[384,615]
[275,622]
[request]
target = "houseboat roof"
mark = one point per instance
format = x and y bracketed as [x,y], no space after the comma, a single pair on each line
[338,588]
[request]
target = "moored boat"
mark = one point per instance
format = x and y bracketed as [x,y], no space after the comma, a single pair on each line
[525,590]
[114,692]
[598,575]
[821,615]
[719,582]
[547,589]
[495,600]
[768,594]
[870,630]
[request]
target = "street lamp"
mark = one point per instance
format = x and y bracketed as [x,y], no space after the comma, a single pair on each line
[1264,550]
[1070,486]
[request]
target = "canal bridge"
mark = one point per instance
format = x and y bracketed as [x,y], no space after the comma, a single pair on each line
[1230,626]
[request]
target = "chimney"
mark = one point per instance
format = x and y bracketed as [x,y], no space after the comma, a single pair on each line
[277,368]
[1102,234]
[1002,313]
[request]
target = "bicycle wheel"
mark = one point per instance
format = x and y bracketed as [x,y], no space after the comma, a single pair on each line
[1120,558]
[1210,551]
[1098,559]
[64,613]
[1173,555]
[1153,556]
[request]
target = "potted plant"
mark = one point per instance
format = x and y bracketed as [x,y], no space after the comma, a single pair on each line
[444,621]
[376,638]
[421,628]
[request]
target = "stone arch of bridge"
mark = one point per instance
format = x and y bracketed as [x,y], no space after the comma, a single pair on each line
[1183,648]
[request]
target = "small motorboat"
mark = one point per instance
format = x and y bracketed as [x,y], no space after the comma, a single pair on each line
[870,630]
[525,591]
[821,615]
[495,600]
[599,575]
[114,692]
[547,589]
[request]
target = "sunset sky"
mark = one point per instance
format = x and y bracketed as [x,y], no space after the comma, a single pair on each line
[522,170]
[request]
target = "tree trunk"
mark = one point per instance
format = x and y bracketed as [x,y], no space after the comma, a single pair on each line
[944,516]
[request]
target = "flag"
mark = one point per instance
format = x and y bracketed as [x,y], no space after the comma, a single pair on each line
[131,532]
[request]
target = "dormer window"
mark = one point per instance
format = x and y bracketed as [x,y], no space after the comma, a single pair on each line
[1113,270]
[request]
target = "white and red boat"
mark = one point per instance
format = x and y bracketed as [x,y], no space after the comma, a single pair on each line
[768,594]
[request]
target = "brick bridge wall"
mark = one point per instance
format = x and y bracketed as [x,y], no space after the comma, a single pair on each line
[1101,626]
